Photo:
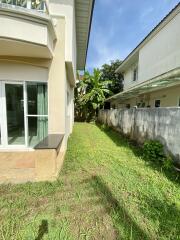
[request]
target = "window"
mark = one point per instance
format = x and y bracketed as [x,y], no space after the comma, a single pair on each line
[139,105]
[157,103]
[135,74]
[143,105]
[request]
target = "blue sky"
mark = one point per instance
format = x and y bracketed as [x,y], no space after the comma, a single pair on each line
[119,25]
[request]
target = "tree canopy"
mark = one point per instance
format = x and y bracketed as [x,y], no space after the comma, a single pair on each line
[108,73]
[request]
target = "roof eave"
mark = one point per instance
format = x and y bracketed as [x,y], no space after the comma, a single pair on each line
[81,66]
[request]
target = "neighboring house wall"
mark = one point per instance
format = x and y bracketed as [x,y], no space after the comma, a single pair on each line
[128,76]
[143,124]
[159,55]
[162,53]
[168,97]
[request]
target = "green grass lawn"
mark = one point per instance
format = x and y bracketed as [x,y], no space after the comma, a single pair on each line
[105,191]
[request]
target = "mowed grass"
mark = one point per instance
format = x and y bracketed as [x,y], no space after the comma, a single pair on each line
[105,191]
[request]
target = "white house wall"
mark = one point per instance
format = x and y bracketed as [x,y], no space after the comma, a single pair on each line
[159,55]
[162,53]
[128,77]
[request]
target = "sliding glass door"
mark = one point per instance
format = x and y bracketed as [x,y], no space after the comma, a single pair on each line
[24,113]
[15,114]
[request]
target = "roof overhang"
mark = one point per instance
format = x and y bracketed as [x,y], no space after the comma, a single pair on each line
[133,55]
[169,79]
[84,12]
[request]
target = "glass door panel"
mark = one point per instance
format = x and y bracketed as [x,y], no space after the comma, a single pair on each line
[15,114]
[37,105]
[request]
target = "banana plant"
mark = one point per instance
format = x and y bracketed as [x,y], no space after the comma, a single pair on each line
[90,94]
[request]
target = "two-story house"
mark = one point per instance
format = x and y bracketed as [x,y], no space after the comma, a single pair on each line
[42,45]
[152,70]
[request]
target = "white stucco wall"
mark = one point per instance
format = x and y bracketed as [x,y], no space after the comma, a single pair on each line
[12,71]
[142,124]
[65,8]
[25,30]
[25,34]
[69,109]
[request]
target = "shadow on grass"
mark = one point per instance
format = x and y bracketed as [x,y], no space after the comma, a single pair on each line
[43,229]
[163,213]
[124,224]
[123,141]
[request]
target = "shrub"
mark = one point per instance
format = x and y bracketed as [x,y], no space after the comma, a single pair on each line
[168,163]
[153,150]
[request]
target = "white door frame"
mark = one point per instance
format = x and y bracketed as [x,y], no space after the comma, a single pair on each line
[1,116]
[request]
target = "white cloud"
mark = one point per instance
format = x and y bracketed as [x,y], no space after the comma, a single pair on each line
[106,54]
[102,45]
[146,13]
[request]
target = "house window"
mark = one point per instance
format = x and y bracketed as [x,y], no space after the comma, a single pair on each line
[139,105]
[157,103]
[143,105]
[135,74]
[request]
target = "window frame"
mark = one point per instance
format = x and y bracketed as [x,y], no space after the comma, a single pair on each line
[135,73]
[155,103]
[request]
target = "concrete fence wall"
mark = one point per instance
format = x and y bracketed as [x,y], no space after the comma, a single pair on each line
[162,124]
